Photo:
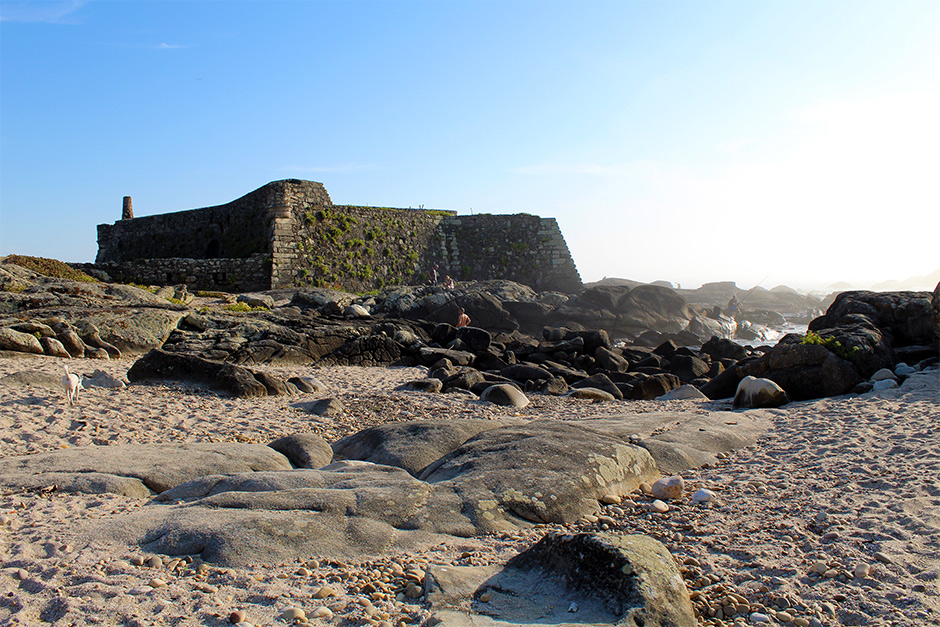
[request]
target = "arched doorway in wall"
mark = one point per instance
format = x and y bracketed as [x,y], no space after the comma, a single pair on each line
[212,249]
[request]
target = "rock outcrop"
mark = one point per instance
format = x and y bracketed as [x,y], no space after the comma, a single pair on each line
[239,503]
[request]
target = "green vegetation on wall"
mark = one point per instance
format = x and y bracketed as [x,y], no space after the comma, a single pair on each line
[360,248]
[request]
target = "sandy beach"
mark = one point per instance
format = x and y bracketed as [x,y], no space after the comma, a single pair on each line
[833,518]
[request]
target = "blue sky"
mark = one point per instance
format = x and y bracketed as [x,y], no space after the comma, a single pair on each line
[792,142]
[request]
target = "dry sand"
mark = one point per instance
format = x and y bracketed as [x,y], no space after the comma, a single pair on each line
[837,484]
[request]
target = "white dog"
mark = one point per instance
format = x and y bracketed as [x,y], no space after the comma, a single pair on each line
[71,383]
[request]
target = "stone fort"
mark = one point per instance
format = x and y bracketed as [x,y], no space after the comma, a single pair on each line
[290,234]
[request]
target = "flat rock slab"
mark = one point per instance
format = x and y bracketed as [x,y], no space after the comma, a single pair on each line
[412,445]
[680,441]
[401,486]
[142,469]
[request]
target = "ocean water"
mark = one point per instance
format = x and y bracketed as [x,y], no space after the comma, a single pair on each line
[772,335]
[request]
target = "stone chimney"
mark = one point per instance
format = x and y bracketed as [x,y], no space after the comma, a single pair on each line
[128,212]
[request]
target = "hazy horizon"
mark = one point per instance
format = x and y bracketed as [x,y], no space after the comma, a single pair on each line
[773,143]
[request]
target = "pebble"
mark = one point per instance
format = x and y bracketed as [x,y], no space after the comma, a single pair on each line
[862,570]
[154,561]
[156,583]
[293,613]
[881,557]
[324,592]
[5,520]
[819,567]
[607,499]
[659,507]
[644,488]
[238,616]
[322,612]
[703,495]
[668,487]
[757,617]
[784,617]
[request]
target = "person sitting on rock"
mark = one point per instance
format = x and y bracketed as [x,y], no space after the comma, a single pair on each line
[733,305]
[463,320]
[449,282]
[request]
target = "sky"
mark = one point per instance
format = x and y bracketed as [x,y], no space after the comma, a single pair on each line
[770,143]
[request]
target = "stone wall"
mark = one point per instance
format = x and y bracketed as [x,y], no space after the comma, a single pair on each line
[521,247]
[289,233]
[353,248]
[238,229]
[248,274]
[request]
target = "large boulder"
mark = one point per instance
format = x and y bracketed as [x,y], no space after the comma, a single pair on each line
[13,340]
[133,331]
[136,470]
[905,316]
[706,327]
[221,377]
[621,310]
[756,393]
[411,445]
[723,348]
[602,579]
[505,394]
[525,471]
[804,371]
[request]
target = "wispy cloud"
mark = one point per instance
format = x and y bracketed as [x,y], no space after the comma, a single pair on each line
[342,167]
[166,46]
[45,12]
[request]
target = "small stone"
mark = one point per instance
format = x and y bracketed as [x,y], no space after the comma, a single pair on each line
[884,559]
[293,613]
[644,488]
[156,583]
[154,561]
[784,617]
[485,597]
[5,520]
[324,592]
[322,612]
[238,616]
[21,574]
[882,375]
[819,567]
[703,495]
[862,570]
[829,608]
[757,617]
[669,487]
[137,560]
[832,573]
[799,621]
[659,507]
[610,499]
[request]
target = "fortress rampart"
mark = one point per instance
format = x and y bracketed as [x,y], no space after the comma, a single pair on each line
[289,233]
